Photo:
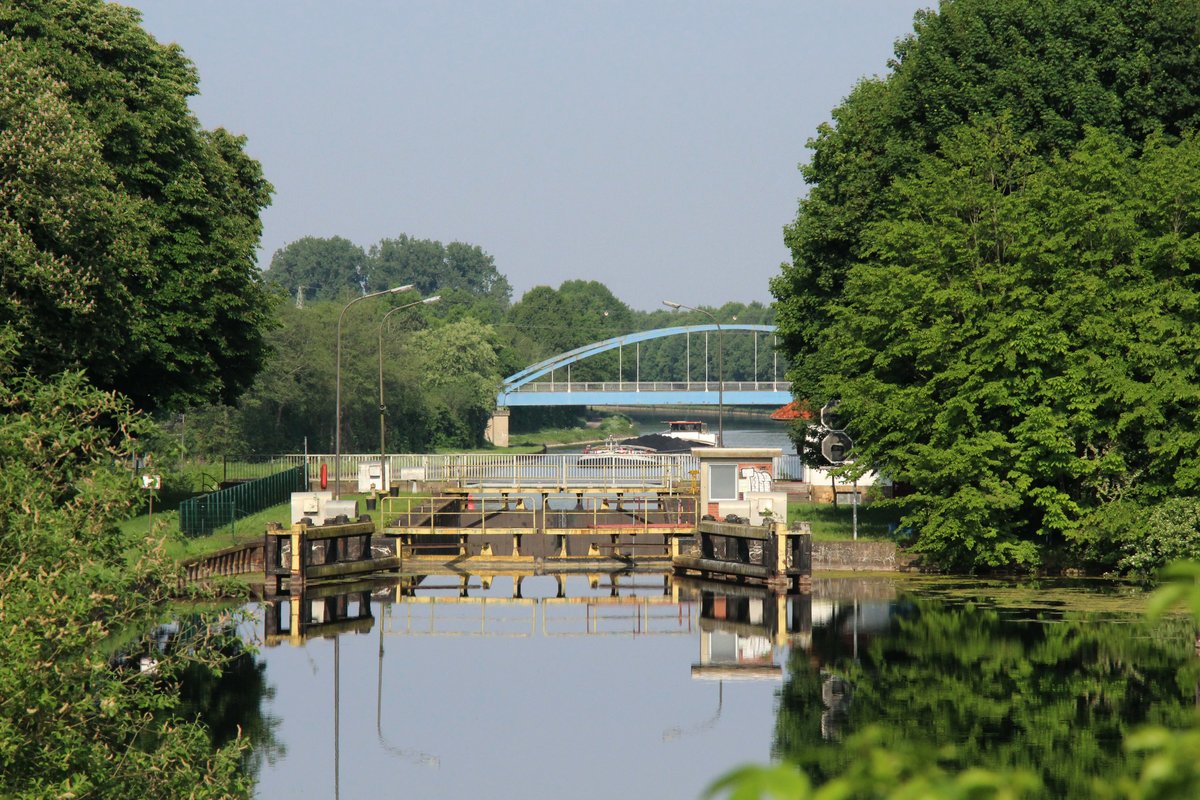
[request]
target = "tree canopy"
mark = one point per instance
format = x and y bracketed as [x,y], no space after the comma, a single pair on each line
[316,268]
[331,268]
[993,272]
[128,232]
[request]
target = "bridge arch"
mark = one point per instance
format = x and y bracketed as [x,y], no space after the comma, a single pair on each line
[523,389]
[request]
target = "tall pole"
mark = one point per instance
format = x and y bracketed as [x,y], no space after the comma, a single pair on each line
[720,366]
[337,434]
[383,475]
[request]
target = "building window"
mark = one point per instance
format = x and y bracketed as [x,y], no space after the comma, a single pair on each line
[722,482]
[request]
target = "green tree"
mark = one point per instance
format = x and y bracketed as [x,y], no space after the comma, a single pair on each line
[292,398]
[546,322]
[1054,69]
[459,378]
[315,268]
[998,239]
[1019,345]
[128,231]
[72,721]
[434,268]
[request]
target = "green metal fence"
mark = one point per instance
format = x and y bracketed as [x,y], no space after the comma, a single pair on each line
[201,515]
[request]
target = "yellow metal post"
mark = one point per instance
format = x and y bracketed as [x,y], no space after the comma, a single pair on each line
[781,543]
[294,637]
[298,545]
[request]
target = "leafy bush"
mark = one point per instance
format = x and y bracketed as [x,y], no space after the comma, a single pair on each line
[1171,532]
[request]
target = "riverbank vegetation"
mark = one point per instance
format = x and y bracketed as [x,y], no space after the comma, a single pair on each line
[614,425]
[441,364]
[76,717]
[128,236]
[993,273]
[831,523]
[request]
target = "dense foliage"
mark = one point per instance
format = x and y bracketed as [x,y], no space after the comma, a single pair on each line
[128,232]
[313,268]
[328,269]
[993,273]
[75,722]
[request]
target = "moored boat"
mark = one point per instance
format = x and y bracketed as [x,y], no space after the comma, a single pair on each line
[614,453]
[690,430]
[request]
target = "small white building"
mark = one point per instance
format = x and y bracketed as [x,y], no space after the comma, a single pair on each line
[740,481]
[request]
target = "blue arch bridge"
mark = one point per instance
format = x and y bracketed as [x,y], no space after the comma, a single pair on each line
[549,382]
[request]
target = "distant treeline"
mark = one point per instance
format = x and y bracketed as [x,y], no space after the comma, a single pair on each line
[442,362]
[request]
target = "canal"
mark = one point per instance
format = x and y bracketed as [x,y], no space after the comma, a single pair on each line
[742,429]
[643,685]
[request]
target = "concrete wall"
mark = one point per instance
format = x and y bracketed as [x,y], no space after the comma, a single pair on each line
[856,556]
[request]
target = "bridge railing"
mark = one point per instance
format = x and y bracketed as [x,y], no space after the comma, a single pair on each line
[654,386]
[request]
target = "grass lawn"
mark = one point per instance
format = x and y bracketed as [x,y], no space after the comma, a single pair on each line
[242,531]
[836,524]
[617,425]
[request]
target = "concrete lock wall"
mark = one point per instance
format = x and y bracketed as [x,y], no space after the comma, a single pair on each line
[856,556]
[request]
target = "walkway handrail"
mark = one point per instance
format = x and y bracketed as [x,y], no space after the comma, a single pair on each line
[532,469]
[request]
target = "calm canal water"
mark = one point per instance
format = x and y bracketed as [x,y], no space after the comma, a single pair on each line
[639,685]
[740,430]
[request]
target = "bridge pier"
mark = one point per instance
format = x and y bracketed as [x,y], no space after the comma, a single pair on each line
[497,428]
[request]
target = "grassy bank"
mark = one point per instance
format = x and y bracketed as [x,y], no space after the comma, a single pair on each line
[616,425]
[837,524]
[243,531]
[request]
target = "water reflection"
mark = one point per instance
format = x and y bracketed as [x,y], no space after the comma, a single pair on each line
[1006,686]
[479,677]
[229,700]
[591,683]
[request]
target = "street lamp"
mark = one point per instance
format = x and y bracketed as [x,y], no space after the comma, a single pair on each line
[382,407]
[337,436]
[720,367]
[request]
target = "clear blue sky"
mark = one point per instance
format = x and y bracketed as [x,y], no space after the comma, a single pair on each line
[652,146]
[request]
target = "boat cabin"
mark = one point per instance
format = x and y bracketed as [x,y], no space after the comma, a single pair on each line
[690,429]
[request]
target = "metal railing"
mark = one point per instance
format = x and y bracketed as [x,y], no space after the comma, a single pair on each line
[532,470]
[518,471]
[654,386]
[450,515]
[253,467]
[790,468]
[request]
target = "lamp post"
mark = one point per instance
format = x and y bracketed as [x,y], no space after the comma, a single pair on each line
[720,367]
[337,435]
[382,406]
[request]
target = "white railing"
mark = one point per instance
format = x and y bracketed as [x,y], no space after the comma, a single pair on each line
[533,470]
[653,386]
[530,469]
